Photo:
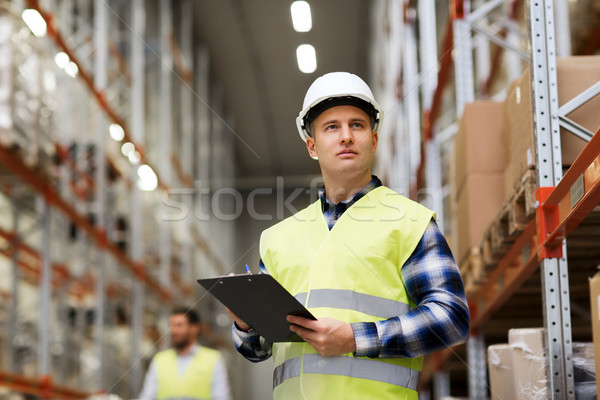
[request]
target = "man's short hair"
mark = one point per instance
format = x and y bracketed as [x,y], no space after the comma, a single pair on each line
[324,105]
[191,315]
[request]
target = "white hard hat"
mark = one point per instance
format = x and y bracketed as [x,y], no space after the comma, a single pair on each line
[338,85]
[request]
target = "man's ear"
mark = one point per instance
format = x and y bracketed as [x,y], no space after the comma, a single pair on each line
[196,329]
[375,141]
[310,146]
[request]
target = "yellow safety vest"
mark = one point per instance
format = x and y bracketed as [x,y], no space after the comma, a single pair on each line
[351,273]
[196,382]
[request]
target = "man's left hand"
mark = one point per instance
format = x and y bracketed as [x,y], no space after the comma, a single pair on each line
[328,336]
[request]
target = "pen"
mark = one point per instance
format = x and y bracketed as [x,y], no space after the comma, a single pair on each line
[247,269]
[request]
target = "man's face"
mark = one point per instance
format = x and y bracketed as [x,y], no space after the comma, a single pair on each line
[182,332]
[342,140]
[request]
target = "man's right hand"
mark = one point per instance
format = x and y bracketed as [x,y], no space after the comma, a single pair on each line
[241,325]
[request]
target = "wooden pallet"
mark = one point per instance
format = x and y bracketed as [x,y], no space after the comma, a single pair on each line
[17,144]
[38,159]
[489,258]
[510,221]
[522,204]
[472,271]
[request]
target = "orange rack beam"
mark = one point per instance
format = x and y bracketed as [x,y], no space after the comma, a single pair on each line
[41,387]
[30,265]
[508,276]
[576,194]
[29,177]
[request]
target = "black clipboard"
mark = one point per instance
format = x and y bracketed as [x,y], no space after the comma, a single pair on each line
[260,301]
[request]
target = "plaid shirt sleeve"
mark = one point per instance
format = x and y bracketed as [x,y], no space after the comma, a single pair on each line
[441,317]
[251,345]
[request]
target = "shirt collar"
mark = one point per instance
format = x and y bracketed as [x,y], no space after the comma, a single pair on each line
[326,204]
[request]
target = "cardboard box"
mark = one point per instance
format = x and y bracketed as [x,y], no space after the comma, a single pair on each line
[519,131]
[478,202]
[451,224]
[479,142]
[574,74]
[448,164]
[529,363]
[499,358]
[595,300]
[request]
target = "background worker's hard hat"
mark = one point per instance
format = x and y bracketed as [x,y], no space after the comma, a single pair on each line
[347,88]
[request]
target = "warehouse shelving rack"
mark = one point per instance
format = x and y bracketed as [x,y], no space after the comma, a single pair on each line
[117,88]
[39,388]
[563,201]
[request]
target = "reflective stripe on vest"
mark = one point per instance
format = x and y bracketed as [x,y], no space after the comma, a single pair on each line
[348,366]
[349,300]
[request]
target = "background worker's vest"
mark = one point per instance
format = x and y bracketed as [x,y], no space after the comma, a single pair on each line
[195,382]
[351,273]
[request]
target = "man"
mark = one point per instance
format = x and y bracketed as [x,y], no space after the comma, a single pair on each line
[370,264]
[188,370]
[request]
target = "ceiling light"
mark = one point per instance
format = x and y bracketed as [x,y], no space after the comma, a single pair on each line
[72,69]
[148,180]
[116,132]
[35,22]
[49,81]
[134,157]
[62,60]
[127,148]
[301,18]
[307,58]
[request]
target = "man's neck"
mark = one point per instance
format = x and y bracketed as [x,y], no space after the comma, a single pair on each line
[186,350]
[343,188]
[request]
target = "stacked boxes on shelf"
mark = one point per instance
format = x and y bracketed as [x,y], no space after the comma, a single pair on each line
[500,370]
[26,100]
[494,180]
[5,79]
[517,370]
[478,181]
[574,74]
[528,357]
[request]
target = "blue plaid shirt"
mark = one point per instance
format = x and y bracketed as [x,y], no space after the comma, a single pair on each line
[432,280]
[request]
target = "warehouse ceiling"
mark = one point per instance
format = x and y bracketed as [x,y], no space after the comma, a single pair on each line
[252,48]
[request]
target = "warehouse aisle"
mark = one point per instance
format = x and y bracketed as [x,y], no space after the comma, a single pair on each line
[146,144]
